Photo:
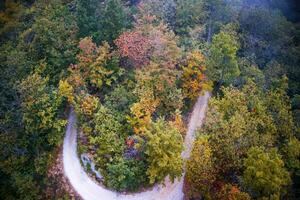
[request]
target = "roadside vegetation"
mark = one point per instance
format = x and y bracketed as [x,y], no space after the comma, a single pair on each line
[132,71]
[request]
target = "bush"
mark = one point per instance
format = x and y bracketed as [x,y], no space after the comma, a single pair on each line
[126,174]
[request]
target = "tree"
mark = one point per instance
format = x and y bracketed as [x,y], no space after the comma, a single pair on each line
[103,21]
[189,14]
[279,106]
[193,79]
[29,140]
[120,99]
[249,71]
[107,137]
[158,96]
[135,47]
[40,105]
[163,10]
[200,171]
[142,114]
[178,123]
[114,20]
[260,43]
[66,90]
[209,15]
[163,152]
[237,121]
[230,192]
[52,38]
[43,130]
[222,63]
[220,13]
[149,41]
[96,67]
[273,71]
[11,19]
[86,17]
[126,174]
[291,153]
[265,174]
[88,105]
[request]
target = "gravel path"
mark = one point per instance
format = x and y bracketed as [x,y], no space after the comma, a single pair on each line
[89,190]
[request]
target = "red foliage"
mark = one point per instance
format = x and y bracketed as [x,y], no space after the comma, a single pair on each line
[129,142]
[149,40]
[135,46]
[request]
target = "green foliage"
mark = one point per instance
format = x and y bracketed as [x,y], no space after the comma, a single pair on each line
[261,43]
[31,121]
[26,185]
[236,123]
[96,71]
[163,9]
[251,72]
[291,153]
[160,85]
[92,61]
[189,13]
[158,96]
[115,18]
[102,21]
[86,20]
[163,152]
[52,39]
[202,18]
[41,135]
[279,106]
[41,106]
[295,101]
[120,99]
[11,19]
[128,95]
[222,63]
[265,174]
[126,174]
[107,137]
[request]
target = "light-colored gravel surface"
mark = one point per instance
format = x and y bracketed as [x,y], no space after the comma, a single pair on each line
[89,190]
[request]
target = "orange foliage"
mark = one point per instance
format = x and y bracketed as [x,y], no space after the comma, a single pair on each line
[88,105]
[134,46]
[223,191]
[178,123]
[193,78]
[149,41]
[91,62]
[142,113]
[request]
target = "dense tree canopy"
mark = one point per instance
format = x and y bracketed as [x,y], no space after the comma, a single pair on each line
[264,173]
[132,70]
[223,65]
[242,138]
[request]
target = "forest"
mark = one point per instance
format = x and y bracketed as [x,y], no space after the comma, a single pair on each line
[132,71]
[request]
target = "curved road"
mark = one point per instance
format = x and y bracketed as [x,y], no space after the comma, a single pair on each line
[90,190]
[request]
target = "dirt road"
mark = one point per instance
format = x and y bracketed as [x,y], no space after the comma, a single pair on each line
[90,190]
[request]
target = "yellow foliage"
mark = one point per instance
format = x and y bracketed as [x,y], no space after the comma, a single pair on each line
[178,123]
[66,90]
[97,72]
[75,78]
[194,81]
[89,104]
[200,170]
[142,112]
